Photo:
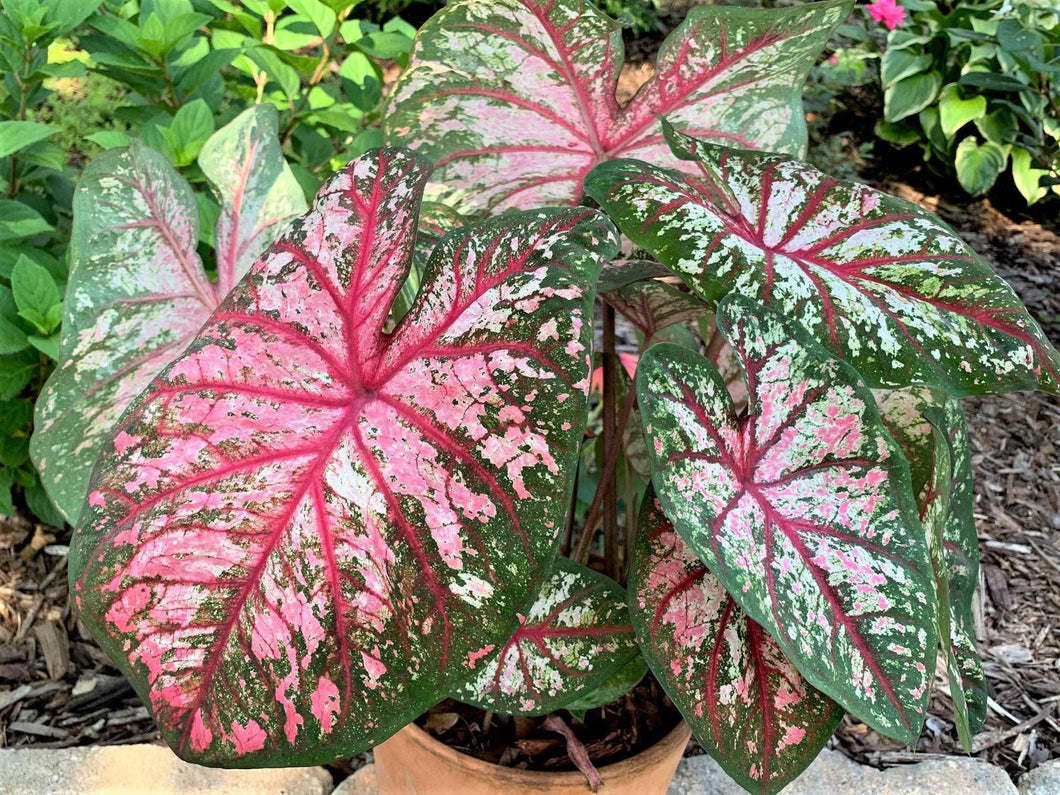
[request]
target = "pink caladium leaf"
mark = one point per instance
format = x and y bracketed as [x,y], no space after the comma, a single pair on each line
[802,508]
[307,526]
[931,429]
[138,292]
[747,705]
[575,637]
[514,100]
[881,282]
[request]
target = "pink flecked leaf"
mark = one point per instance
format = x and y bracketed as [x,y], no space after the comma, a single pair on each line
[576,636]
[879,281]
[514,100]
[747,705]
[138,292]
[802,508]
[931,430]
[308,524]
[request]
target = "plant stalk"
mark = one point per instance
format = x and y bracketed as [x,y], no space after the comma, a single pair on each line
[610,510]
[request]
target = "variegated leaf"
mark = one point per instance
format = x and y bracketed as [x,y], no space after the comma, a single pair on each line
[954,547]
[576,636]
[611,689]
[653,305]
[306,527]
[881,282]
[748,706]
[931,429]
[138,291]
[514,100]
[802,508]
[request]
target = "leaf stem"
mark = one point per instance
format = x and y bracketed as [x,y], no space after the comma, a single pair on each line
[610,500]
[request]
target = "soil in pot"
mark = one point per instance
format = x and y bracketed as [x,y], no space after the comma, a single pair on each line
[609,734]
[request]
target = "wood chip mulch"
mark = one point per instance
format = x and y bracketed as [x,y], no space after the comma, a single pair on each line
[57,688]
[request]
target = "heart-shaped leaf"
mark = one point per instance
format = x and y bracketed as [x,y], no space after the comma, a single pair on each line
[307,524]
[747,705]
[514,100]
[654,305]
[883,283]
[575,637]
[802,508]
[138,292]
[931,430]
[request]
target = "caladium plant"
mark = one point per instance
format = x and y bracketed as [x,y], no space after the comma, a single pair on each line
[341,503]
[138,291]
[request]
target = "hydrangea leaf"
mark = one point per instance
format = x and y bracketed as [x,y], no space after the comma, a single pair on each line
[802,508]
[575,637]
[514,100]
[931,429]
[305,526]
[881,282]
[138,291]
[747,705]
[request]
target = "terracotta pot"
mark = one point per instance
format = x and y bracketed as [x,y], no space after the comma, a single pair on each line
[414,763]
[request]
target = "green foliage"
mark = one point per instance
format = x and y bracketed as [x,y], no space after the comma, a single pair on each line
[977,86]
[36,186]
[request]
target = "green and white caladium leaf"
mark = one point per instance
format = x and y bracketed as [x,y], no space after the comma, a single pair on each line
[611,689]
[575,637]
[747,705]
[881,282]
[138,292]
[307,526]
[802,508]
[514,100]
[931,429]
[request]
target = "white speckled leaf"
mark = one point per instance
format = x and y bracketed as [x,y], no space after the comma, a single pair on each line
[878,280]
[931,429]
[653,305]
[576,636]
[138,291]
[748,706]
[802,508]
[307,524]
[514,100]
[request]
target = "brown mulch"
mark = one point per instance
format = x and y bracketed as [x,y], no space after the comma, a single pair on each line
[57,688]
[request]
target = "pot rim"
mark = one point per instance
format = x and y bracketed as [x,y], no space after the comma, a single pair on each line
[649,757]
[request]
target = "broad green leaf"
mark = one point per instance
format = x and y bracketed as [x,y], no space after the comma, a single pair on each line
[49,346]
[999,126]
[898,64]
[514,100]
[878,280]
[1026,177]
[362,81]
[17,221]
[955,112]
[33,287]
[188,131]
[16,371]
[747,705]
[138,292]
[322,17]
[12,338]
[109,139]
[16,135]
[978,165]
[802,508]
[575,637]
[910,95]
[330,519]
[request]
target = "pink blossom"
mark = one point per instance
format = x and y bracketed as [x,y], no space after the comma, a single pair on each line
[833,59]
[888,12]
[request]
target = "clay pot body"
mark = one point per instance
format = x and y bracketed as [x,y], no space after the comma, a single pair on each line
[414,763]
